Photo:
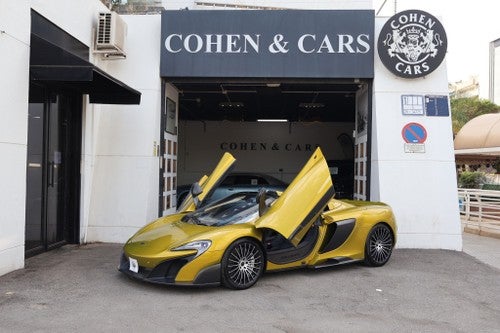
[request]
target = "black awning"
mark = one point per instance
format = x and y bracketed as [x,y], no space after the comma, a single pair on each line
[101,87]
[52,63]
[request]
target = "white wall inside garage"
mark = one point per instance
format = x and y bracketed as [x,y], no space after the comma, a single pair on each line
[14,85]
[257,146]
[421,187]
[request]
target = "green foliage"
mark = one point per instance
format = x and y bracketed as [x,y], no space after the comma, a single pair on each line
[496,165]
[471,179]
[491,187]
[464,109]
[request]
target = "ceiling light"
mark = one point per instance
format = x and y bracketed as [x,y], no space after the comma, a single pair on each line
[272,120]
[273,85]
[231,105]
[311,105]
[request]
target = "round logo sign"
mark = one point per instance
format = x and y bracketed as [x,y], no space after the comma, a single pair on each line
[412,44]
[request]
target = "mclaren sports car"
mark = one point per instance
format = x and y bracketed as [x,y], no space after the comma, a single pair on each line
[233,241]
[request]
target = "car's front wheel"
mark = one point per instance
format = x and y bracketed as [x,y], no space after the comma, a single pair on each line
[242,264]
[378,247]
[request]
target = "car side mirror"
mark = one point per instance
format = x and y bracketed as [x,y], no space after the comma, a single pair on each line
[195,191]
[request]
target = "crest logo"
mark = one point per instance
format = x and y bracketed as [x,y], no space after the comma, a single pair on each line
[412,44]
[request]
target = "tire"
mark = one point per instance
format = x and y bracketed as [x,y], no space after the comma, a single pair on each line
[378,246]
[242,264]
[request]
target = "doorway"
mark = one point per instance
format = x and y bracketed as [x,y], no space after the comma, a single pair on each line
[53,168]
[269,125]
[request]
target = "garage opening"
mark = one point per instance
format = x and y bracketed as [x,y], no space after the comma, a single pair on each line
[268,87]
[270,127]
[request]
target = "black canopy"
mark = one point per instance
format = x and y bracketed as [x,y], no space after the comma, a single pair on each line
[58,58]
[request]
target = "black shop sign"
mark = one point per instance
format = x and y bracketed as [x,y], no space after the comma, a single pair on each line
[267,44]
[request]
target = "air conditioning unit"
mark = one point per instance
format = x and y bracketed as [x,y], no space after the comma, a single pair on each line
[110,36]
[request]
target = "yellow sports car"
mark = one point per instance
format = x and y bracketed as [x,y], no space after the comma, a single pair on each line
[235,240]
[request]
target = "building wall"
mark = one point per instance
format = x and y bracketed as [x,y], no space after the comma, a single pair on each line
[494,79]
[291,4]
[421,187]
[120,160]
[466,88]
[118,140]
[119,165]
[14,85]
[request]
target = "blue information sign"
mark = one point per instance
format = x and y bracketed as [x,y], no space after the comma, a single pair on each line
[414,133]
[436,106]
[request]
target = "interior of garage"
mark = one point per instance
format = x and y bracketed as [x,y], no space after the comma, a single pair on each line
[269,127]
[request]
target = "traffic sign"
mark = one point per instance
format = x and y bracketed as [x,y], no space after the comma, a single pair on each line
[436,106]
[414,133]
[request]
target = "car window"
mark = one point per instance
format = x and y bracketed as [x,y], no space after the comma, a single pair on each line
[228,181]
[235,209]
[250,180]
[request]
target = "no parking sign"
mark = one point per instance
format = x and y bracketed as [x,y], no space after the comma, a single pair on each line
[414,135]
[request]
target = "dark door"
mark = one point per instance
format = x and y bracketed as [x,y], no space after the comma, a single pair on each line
[53,178]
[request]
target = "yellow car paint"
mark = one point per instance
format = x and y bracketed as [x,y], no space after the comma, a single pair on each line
[306,202]
[290,215]
[208,183]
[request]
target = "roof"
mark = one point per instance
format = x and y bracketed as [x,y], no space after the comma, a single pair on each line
[480,135]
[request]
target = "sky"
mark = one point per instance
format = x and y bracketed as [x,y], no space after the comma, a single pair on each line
[470,27]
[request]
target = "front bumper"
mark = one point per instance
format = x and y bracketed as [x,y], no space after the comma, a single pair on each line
[166,272]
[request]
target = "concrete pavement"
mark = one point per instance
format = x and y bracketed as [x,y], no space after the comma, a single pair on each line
[486,249]
[77,288]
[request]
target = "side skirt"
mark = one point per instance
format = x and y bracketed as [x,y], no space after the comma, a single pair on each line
[335,262]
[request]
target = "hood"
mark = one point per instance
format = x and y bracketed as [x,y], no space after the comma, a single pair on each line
[163,237]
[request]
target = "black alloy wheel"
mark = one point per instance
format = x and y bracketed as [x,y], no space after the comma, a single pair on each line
[242,264]
[378,247]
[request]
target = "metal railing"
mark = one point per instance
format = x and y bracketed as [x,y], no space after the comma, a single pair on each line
[480,210]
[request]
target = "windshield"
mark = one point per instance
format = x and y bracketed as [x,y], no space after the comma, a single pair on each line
[235,209]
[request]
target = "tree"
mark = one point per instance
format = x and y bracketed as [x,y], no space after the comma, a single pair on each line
[464,109]
[471,179]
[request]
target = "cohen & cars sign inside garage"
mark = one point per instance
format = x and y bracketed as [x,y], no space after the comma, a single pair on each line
[298,44]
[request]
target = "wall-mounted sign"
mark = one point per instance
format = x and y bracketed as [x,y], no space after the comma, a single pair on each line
[170,119]
[267,43]
[267,146]
[437,106]
[412,105]
[413,148]
[414,133]
[412,44]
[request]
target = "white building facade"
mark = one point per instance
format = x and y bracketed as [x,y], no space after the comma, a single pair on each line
[494,73]
[94,148]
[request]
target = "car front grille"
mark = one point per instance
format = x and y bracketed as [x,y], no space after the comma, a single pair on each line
[164,272]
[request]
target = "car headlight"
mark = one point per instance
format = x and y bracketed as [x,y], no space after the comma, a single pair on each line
[200,246]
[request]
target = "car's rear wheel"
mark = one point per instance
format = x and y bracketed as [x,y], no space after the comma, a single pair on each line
[379,244]
[242,264]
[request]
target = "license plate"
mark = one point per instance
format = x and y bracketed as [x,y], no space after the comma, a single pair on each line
[133,265]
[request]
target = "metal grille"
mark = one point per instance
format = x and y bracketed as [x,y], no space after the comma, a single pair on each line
[104,29]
